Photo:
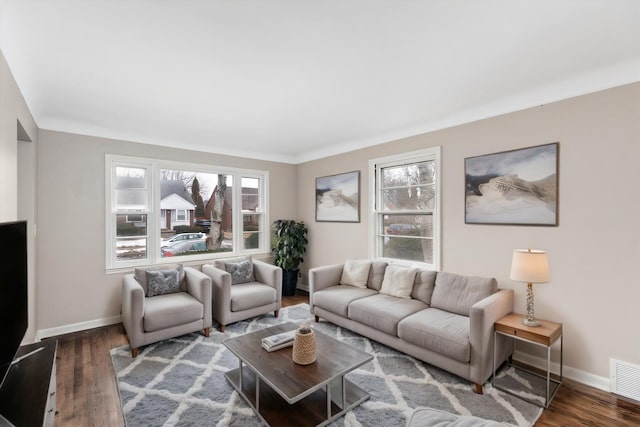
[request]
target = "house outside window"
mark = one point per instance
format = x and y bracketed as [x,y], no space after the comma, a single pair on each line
[405,213]
[149,201]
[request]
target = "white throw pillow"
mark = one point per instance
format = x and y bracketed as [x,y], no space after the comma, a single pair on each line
[398,281]
[355,273]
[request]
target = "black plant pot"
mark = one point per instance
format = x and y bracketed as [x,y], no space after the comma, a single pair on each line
[289,282]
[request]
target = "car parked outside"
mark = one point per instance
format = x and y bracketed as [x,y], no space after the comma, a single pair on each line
[400,228]
[182,237]
[205,224]
[183,246]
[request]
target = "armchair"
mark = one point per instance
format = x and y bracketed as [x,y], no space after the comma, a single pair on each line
[148,319]
[254,293]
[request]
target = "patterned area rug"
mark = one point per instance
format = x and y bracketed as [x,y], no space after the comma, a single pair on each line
[180,382]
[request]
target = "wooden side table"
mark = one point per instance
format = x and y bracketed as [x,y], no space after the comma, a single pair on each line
[544,335]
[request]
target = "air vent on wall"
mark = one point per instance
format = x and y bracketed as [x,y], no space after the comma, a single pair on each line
[625,379]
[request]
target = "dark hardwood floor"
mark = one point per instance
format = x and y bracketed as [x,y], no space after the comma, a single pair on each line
[87,394]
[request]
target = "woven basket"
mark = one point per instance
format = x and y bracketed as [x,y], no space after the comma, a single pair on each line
[304,348]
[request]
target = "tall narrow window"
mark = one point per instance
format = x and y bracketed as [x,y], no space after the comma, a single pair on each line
[406,217]
[130,212]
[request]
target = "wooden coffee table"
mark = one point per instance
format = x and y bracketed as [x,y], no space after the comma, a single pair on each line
[284,393]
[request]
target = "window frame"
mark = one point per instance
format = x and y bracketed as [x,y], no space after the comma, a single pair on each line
[152,178]
[376,217]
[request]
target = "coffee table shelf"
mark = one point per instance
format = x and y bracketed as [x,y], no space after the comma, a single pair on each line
[284,393]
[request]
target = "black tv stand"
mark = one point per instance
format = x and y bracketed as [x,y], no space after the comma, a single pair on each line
[28,394]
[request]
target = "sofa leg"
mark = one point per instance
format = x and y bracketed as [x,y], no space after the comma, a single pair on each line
[478,389]
[134,352]
[221,328]
[317,319]
[207,332]
[275,313]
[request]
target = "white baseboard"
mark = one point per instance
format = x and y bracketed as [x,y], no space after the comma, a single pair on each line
[76,327]
[574,374]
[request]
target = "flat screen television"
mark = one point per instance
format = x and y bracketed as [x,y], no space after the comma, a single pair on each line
[13,291]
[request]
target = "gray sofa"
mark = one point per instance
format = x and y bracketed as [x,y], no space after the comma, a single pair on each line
[446,320]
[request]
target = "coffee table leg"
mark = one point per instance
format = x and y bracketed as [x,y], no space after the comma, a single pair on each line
[328,400]
[258,393]
[240,381]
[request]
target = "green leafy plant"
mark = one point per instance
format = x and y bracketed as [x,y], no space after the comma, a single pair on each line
[289,243]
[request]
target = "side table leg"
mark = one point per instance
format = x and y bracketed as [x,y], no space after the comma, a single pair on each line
[493,359]
[546,400]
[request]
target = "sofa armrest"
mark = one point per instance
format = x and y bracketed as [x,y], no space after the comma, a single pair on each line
[133,310]
[270,275]
[483,315]
[220,292]
[323,277]
[199,286]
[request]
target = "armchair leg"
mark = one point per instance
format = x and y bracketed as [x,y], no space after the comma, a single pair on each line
[275,313]
[221,328]
[134,352]
[317,319]
[478,389]
[207,332]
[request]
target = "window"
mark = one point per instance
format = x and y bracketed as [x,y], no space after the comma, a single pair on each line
[405,191]
[157,210]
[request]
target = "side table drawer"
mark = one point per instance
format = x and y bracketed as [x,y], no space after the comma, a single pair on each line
[509,330]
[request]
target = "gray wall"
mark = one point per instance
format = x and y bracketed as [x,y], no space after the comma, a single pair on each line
[593,252]
[17,173]
[74,288]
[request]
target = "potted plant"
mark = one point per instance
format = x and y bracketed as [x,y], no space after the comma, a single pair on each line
[289,244]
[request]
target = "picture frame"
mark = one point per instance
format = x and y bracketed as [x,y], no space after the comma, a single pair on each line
[515,187]
[338,197]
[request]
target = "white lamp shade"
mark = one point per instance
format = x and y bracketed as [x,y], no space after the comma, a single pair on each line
[530,266]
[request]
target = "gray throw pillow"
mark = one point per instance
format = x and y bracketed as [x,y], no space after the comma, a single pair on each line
[162,282]
[241,272]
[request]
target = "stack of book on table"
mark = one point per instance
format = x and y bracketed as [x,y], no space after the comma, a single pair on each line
[278,341]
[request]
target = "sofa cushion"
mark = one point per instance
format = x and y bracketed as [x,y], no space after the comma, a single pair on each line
[376,274]
[457,293]
[439,331]
[355,272]
[140,274]
[337,298]
[250,295]
[165,311]
[383,312]
[398,281]
[162,282]
[241,272]
[423,286]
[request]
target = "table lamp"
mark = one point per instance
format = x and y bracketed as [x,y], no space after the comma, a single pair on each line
[530,266]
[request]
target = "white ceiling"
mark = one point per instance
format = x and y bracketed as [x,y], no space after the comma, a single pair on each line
[295,80]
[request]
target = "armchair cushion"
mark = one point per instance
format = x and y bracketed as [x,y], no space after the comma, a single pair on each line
[241,272]
[162,282]
[140,275]
[165,311]
[249,295]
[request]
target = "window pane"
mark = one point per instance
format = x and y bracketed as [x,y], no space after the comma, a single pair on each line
[251,224]
[127,226]
[406,175]
[251,240]
[408,249]
[250,194]
[131,249]
[409,198]
[408,225]
[130,177]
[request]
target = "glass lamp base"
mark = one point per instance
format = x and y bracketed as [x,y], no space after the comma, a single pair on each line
[528,322]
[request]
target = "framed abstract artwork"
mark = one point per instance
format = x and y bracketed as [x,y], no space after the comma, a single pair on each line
[338,197]
[517,187]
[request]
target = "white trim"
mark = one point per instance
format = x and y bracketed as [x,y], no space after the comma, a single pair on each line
[76,327]
[578,375]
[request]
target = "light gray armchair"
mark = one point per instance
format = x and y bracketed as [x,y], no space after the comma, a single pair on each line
[148,319]
[253,293]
